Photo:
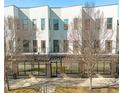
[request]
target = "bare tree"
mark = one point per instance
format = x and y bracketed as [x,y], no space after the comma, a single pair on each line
[14,34]
[85,38]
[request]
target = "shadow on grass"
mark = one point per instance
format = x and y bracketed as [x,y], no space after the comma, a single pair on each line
[85,90]
[21,90]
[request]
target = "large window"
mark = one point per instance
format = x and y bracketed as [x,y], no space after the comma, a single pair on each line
[34,21]
[108,46]
[109,23]
[55,24]
[26,45]
[55,45]
[96,44]
[43,46]
[87,24]
[34,45]
[25,24]
[97,24]
[85,43]
[75,46]
[65,45]
[75,21]
[42,23]
[65,24]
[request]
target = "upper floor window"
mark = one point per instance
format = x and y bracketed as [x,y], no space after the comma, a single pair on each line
[25,24]
[87,24]
[55,24]
[109,23]
[34,21]
[75,21]
[76,46]
[42,23]
[97,24]
[65,24]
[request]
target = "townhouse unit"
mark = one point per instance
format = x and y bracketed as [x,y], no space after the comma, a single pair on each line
[46,30]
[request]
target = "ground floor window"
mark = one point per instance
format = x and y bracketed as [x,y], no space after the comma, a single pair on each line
[108,46]
[65,45]
[55,45]
[43,46]
[26,45]
[34,45]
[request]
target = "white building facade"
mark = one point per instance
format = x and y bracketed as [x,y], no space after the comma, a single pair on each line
[54,25]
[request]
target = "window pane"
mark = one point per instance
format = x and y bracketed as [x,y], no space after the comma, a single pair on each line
[75,23]
[108,46]
[42,24]
[65,24]
[55,45]
[87,24]
[75,46]
[109,23]
[55,24]
[34,45]
[98,24]
[26,45]
[96,44]
[34,22]
[25,24]
[65,45]
[43,46]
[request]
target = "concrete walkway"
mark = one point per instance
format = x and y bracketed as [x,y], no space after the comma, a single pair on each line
[49,84]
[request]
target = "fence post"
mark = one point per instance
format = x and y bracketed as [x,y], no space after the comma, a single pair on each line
[113,66]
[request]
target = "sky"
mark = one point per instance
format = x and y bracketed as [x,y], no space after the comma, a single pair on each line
[56,3]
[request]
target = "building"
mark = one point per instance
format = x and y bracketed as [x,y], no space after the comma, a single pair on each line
[54,25]
[59,30]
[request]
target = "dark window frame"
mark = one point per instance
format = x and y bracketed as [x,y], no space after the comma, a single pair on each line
[55,24]
[109,23]
[42,23]
[66,24]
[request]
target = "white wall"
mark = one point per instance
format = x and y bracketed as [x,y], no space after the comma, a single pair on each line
[61,13]
[105,34]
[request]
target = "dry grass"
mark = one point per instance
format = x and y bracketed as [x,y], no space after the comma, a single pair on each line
[21,90]
[85,90]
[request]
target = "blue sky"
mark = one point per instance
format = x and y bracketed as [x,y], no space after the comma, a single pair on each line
[55,3]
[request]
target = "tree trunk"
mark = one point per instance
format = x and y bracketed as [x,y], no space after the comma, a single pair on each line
[6,82]
[90,86]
